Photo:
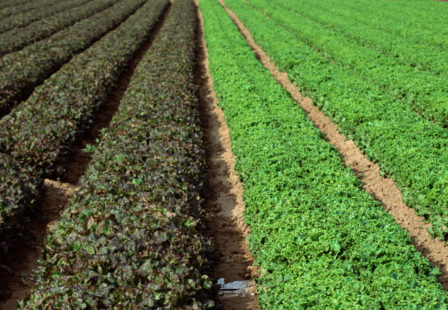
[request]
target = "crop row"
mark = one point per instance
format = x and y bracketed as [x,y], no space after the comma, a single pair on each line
[404,30]
[9,8]
[415,15]
[422,56]
[5,4]
[131,237]
[20,37]
[23,19]
[320,240]
[21,71]
[404,79]
[38,135]
[408,148]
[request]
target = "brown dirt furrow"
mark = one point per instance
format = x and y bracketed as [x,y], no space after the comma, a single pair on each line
[382,189]
[16,275]
[225,206]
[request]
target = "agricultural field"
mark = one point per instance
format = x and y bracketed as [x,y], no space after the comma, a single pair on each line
[223,154]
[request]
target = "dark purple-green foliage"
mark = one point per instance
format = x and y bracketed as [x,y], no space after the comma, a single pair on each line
[25,18]
[18,188]
[39,133]
[13,7]
[21,71]
[131,238]
[320,240]
[20,37]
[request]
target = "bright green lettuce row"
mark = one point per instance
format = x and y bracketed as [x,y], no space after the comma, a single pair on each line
[408,148]
[20,37]
[319,239]
[131,238]
[419,80]
[422,14]
[23,70]
[383,30]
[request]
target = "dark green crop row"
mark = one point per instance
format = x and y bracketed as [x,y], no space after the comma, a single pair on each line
[9,8]
[409,149]
[39,134]
[131,238]
[25,18]
[21,71]
[320,240]
[20,37]
[418,80]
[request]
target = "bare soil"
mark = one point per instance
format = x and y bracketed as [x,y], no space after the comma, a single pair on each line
[225,206]
[382,189]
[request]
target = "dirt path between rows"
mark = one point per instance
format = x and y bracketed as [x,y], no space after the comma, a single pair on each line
[17,277]
[382,189]
[225,206]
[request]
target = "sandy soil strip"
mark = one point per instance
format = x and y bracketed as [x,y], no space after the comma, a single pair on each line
[225,206]
[16,276]
[382,189]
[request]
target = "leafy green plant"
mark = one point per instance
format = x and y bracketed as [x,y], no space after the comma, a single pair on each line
[408,148]
[89,149]
[414,74]
[319,239]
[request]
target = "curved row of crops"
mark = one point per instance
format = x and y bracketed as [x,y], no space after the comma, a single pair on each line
[134,235]
[25,18]
[131,237]
[20,37]
[409,148]
[320,240]
[21,71]
[13,7]
[392,65]
[38,134]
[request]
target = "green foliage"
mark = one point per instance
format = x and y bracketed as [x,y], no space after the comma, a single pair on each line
[412,73]
[131,236]
[21,71]
[408,148]
[319,239]
[20,37]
